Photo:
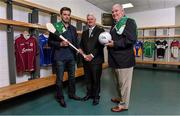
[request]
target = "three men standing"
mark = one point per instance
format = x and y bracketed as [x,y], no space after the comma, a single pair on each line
[120,56]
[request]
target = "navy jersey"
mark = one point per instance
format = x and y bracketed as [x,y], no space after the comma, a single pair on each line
[45,51]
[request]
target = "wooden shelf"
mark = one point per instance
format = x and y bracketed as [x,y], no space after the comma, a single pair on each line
[21,24]
[27,4]
[152,38]
[33,85]
[159,37]
[24,24]
[158,62]
[31,5]
[25,87]
[160,27]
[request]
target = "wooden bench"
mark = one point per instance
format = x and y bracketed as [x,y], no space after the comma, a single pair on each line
[33,85]
[158,62]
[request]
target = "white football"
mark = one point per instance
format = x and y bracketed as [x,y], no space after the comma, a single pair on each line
[104,37]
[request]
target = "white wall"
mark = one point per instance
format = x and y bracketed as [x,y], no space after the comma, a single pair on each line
[44,18]
[154,17]
[177,21]
[2,10]
[4,70]
[79,8]
[20,13]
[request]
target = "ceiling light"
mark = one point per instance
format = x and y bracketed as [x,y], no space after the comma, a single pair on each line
[128,5]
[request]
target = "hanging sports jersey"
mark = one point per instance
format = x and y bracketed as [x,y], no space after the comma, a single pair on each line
[161,48]
[25,52]
[148,48]
[175,49]
[138,48]
[45,51]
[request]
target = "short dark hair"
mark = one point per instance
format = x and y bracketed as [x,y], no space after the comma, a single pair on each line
[65,8]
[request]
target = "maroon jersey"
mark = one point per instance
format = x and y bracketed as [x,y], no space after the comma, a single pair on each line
[25,52]
[175,45]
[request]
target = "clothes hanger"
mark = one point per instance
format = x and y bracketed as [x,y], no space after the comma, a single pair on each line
[26,35]
[46,34]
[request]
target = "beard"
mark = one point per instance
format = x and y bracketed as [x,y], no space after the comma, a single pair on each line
[66,20]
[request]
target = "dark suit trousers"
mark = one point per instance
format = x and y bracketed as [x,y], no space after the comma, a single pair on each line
[60,67]
[93,75]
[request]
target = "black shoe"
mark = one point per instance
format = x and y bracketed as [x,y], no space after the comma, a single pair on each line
[87,97]
[62,103]
[95,101]
[75,97]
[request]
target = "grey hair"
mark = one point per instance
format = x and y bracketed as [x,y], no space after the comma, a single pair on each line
[120,6]
[90,14]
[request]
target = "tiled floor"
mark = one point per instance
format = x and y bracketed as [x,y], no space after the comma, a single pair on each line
[153,92]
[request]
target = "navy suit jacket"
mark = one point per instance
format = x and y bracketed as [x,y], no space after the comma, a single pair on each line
[122,54]
[54,42]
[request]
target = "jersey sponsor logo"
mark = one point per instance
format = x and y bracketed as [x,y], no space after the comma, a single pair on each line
[24,50]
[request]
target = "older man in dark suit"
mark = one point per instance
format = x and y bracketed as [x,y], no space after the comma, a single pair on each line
[94,58]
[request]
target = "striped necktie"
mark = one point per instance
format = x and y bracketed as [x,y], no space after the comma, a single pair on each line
[90,31]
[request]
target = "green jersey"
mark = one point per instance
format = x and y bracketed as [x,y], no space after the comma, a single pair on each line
[148,48]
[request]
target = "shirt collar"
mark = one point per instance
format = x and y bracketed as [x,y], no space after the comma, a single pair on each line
[92,27]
